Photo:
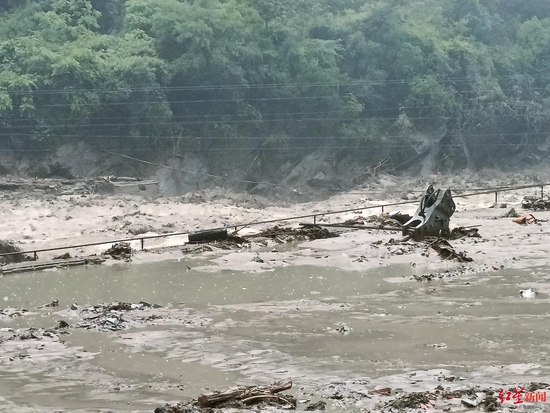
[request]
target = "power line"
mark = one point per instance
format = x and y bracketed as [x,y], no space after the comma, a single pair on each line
[289,148]
[289,138]
[236,121]
[273,85]
[394,108]
[245,121]
[277,98]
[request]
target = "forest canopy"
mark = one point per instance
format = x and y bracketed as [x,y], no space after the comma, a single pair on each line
[463,82]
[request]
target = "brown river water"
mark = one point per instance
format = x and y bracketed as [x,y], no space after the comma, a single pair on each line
[260,327]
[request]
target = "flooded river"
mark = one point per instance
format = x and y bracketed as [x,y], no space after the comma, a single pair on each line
[318,327]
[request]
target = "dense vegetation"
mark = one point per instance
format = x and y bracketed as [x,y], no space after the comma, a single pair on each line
[459,82]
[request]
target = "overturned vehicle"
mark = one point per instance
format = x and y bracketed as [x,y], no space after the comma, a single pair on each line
[432,216]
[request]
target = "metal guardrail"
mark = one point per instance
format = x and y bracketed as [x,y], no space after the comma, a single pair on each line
[271,221]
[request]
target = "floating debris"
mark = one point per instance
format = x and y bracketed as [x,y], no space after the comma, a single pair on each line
[242,397]
[110,317]
[344,329]
[54,303]
[528,293]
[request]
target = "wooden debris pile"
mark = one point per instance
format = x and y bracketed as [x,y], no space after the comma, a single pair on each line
[120,250]
[464,232]
[469,398]
[534,203]
[242,397]
[446,250]
[307,232]
[110,317]
[383,220]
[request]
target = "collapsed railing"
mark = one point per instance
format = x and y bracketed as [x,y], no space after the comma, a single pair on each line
[142,239]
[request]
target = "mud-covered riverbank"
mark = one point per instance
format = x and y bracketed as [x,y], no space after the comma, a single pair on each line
[359,322]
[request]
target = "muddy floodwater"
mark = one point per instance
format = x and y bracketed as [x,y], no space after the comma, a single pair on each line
[325,329]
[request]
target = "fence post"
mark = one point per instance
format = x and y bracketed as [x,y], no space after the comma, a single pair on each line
[541,191]
[35,256]
[314,219]
[382,208]
[142,242]
[496,197]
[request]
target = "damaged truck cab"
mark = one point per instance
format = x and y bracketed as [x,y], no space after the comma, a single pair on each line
[432,216]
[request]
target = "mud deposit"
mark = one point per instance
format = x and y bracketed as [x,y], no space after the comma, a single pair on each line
[341,336]
[359,322]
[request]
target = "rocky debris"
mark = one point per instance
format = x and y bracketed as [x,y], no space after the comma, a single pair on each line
[6,247]
[534,203]
[446,251]
[120,250]
[242,397]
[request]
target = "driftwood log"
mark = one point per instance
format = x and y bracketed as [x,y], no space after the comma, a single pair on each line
[380,227]
[249,394]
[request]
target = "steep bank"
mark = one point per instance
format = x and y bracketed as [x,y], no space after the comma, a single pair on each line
[317,175]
